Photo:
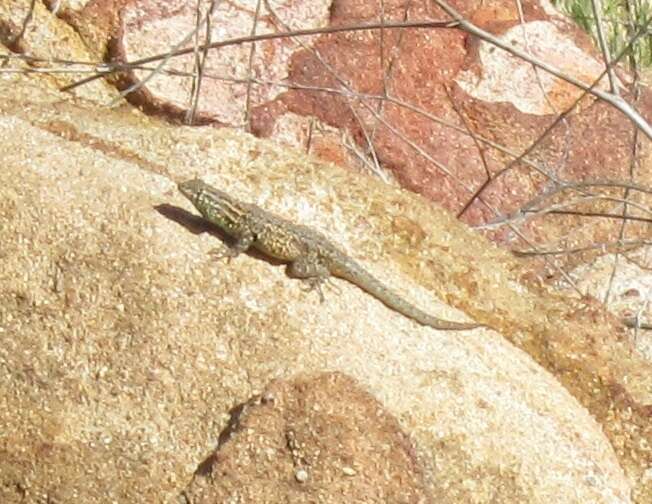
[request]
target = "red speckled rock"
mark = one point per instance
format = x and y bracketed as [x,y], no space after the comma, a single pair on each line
[152,27]
[324,94]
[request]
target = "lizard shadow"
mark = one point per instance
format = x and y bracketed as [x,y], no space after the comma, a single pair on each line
[198,225]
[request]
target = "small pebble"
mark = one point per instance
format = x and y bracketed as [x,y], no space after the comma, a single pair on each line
[349,471]
[301,475]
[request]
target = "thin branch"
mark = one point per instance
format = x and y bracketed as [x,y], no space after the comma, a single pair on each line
[374,166]
[622,245]
[473,136]
[26,20]
[562,185]
[458,23]
[111,69]
[311,127]
[537,72]
[636,323]
[526,40]
[634,158]
[200,62]
[163,61]
[596,5]
[250,72]
[38,59]
[427,156]
[545,133]
[386,72]
[108,69]
[615,101]
[531,206]
[601,215]
[377,168]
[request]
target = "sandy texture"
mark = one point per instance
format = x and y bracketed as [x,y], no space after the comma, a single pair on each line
[125,345]
[311,436]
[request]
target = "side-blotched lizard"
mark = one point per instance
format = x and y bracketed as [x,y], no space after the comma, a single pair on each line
[309,254]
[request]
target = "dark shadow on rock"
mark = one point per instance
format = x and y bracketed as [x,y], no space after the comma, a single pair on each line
[197,225]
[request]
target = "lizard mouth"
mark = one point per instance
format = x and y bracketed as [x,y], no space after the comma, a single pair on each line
[191,188]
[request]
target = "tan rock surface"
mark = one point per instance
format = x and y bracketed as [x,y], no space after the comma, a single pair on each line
[125,345]
[629,292]
[311,436]
[30,30]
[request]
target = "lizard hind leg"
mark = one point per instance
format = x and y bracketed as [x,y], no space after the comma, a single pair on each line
[312,271]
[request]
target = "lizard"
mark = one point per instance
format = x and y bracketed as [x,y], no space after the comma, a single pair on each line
[309,255]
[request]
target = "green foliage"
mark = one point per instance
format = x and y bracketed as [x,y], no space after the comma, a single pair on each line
[621,19]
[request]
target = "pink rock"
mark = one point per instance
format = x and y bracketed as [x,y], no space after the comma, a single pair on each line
[406,99]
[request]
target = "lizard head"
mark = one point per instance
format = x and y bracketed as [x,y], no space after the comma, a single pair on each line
[191,189]
[213,204]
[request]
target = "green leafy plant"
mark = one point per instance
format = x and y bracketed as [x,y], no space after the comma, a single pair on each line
[621,20]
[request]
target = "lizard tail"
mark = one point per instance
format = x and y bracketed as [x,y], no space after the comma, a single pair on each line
[357,275]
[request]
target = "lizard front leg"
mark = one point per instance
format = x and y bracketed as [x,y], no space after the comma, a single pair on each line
[311,269]
[241,243]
